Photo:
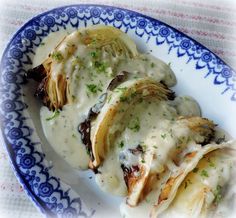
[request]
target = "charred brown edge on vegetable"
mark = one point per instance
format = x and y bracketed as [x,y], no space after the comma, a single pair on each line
[128,171]
[121,77]
[39,74]
[206,128]
[84,128]
[171,94]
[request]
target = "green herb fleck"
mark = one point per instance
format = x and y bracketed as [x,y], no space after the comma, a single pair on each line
[135,124]
[54,115]
[123,98]
[211,164]
[154,146]
[218,194]
[147,200]
[93,88]
[121,145]
[94,54]
[181,140]
[100,66]
[144,147]
[122,110]
[152,65]
[77,77]
[73,97]
[133,94]
[163,136]
[204,173]
[73,135]
[120,89]
[171,133]
[57,56]
[178,146]
[42,43]
[142,161]
[88,152]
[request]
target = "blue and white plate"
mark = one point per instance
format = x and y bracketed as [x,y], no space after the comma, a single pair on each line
[55,188]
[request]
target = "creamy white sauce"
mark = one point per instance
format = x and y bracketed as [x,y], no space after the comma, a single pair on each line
[186,106]
[196,196]
[81,73]
[61,132]
[47,45]
[203,189]
[157,131]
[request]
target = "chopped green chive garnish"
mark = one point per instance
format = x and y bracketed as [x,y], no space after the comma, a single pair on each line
[73,97]
[218,194]
[55,114]
[94,54]
[93,88]
[123,98]
[144,147]
[121,145]
[135,124]
[100,66]
[204,173]
[163,136]
[57,56]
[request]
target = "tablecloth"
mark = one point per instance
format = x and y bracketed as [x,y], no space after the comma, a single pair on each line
[211,22]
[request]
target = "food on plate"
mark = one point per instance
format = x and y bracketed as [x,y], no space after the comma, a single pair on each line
[203,189]
[111,109]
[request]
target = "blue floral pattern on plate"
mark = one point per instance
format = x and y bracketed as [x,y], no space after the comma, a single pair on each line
[52,196]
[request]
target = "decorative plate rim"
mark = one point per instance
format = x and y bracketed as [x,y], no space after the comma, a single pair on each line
[36,199]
